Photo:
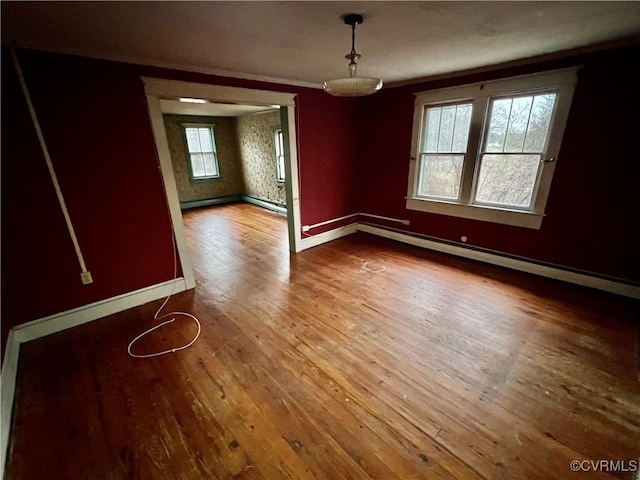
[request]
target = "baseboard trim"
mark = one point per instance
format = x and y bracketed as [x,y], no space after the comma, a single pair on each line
[231,199]
[209,201]
[7,394]
[577,278]
[324,237]
[264,203]
[58,322]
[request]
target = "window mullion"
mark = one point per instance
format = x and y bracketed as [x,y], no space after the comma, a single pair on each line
[473,148]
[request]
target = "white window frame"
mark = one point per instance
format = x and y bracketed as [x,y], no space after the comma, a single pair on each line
[279,154]
[211,128]
[562,82]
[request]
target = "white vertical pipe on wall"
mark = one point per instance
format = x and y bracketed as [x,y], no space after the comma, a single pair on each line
[47,159]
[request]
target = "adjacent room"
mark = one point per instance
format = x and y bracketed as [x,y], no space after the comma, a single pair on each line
[320,240]
[223,153]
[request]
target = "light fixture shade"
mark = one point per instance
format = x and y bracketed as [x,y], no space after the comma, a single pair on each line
[352,86]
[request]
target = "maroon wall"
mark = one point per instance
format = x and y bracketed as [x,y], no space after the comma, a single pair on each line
[95,122]
[593,205]
[353,156]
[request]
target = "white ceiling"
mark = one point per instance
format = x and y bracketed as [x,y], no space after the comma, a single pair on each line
[305,42]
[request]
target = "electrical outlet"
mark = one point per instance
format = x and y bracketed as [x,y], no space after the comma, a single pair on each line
[86,278]
[406,222]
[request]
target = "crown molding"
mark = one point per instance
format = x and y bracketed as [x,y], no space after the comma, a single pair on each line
[546,57]
[184,67]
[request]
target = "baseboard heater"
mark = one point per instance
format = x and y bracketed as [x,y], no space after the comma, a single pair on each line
[306,228]
[524,264]
[210,201]
[206,202]
[264,203]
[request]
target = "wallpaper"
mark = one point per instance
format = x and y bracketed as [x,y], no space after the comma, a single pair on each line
[257,152]
[231,180]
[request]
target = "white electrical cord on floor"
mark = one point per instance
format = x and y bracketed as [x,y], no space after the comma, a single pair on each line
[157,316]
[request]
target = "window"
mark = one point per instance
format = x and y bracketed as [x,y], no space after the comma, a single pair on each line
[201,148]
[279,142]
[487,151]
[444,147]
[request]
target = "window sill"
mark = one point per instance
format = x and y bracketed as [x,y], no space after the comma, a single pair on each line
[204,179]
[516,218]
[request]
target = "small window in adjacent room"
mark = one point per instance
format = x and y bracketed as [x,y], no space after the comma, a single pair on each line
[201,148]
[279,143]
[487,151]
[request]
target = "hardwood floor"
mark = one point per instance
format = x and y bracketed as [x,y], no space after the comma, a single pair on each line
[361,358]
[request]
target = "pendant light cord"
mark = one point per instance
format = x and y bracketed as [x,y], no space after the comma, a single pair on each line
[353,55]
[353,39]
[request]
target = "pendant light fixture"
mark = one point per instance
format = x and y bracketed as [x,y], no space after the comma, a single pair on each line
[352,86]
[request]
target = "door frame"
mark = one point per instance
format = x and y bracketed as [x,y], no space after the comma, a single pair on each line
[156,88]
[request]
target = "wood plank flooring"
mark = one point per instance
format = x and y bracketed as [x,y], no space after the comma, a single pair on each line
[358,359]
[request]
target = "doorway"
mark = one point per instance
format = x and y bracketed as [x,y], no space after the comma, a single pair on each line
[157,90]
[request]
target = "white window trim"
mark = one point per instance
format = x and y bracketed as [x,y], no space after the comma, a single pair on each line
[562,81]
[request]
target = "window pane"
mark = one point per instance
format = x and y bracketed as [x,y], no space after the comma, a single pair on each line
[279,143]
[206,143]
[461,130]
[279,140]
[539,122]
[210,167]
[445,139]
[520,124]
[197,165]
[518,120]
[499,119]
[447,129]
[441,176]
[192,140]
[280,168]
[507,179]
[432,130]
